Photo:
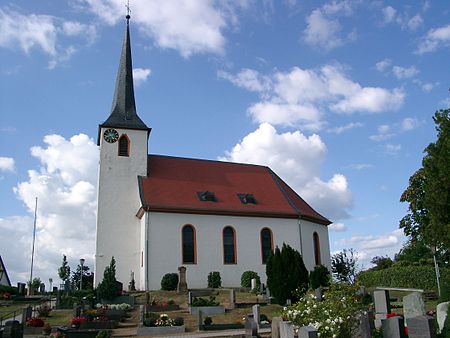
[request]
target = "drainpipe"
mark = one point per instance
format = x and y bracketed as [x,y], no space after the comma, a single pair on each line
[300,233]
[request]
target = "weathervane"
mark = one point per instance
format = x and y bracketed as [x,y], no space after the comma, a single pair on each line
[128,10]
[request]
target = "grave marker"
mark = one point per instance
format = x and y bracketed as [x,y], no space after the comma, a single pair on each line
[413,306]
[286,330]
[307,332]
[256,314]
[182,284]
[441,314]
[421,327]
[251,330]
[276,326]
[232,299]
[394,327]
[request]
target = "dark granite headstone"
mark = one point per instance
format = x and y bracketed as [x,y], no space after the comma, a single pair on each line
[421,327]
[394,327]
[67,286]
[13,329]
[365,330]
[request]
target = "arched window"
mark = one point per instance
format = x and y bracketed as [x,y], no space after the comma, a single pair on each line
[266,244]
[124,146]
[316,248]
[229,245]
[188,244]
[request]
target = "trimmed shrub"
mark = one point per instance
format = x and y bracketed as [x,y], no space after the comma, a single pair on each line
[320,276]
[246,279]
[205,302]
[169,282]
[207,321]
[214,280]
[107,289]
[400,276]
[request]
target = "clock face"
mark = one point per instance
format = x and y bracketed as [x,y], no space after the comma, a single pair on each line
[111,135]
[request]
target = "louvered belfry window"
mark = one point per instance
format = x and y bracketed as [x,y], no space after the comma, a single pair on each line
[124,146]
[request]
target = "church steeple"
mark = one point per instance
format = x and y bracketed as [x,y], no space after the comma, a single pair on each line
[123,111]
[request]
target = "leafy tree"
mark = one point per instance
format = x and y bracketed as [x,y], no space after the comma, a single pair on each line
[107,289]
[64,269]
[344,265]
[428,193]
[381,262]
[287,275]
[88,278]
[34,285]
[320,276]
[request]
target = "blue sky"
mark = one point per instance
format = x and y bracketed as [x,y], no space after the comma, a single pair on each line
[336,97]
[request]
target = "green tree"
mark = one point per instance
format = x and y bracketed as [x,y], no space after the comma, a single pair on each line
[428,193]
[381,262]
[34,285]
[88,278]
[107,289]
[320,276]
[64,269]
[344,265]
[287,275]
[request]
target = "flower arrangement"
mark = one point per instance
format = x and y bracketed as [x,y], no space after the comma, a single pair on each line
[77,321]
[35,322]
[57,334]
[332,316]
[44,311]
[123,306]
[163,319]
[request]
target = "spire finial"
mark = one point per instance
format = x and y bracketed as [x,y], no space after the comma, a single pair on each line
[128,10]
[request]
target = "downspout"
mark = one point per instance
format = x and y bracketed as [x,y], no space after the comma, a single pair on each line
[300,232]
[147,224]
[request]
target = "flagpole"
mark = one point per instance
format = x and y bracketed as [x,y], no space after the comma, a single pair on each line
[30,291]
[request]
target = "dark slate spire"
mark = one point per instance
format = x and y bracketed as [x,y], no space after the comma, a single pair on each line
[123,111]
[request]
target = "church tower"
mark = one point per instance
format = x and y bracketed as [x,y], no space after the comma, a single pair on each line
[123,141]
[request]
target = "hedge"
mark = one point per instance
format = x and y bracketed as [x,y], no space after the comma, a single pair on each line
[419,277]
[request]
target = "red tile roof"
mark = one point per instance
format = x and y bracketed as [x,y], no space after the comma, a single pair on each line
[172,185]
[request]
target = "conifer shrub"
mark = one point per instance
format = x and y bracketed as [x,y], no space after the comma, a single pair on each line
[320,276]
[214,280]
[107,289]
[246,279]
[169,282]
[287,276]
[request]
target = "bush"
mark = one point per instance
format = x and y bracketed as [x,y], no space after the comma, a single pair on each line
[205,302]
[44,311]
[103,334]
[207,321]
[287,276]
[445,291]
[400,276]
[246,279]
[179,321]
[320,276]
[214,280]
[107,289]
[169,282]
[150,319]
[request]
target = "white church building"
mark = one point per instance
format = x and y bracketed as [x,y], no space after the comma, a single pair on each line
[157,213]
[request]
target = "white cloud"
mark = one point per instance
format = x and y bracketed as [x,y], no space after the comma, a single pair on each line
[409,123]
[404,73]
[382,65]
[140,75]
[299,96]
[337,227]
[7,164]
[187,26]
[41,32]
[323,29]
[385,131]
[65,185]
[347,127]
[360,166]
[392,149]
[404,20]
[297,159]
[415,22]
[389,14]
[435,38]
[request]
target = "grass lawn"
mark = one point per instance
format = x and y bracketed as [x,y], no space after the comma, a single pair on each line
[59,317]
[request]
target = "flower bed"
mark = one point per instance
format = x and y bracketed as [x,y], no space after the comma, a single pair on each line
[159,330]
[79,333]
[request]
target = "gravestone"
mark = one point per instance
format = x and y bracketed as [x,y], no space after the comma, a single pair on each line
[307,332]
[365,330]
[288,301]
[21,289]
[200,319]
[232,299]
[256,314]
[13,329]
[319,294]
[55,290]
[441,314]
[253,284]
[286,330]
[394,327]
[190,298]
[182,284]
[67,286]
[421,327]
[381,300]
[141,314]
[251,330]
[276,326]
[76,310]
[42,288]
[27,313]
[413,306]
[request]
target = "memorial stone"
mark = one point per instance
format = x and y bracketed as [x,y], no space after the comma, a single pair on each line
[413,306]
[381,300]
[256,314]
[182,284]
[253,284]
[232,299]
[276,326]
[394,327]
[365,330]
[441,314]
[189,298]
[42,288]
[13,329]
[200,319]
[27,313]
[251,330]
[319,294]
[286,330]
[421,327]
[67,286]
[307,332]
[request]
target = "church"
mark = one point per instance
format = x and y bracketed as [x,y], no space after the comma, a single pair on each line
[157,213]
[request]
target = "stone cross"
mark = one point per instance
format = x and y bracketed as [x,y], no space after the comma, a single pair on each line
[394,327]
[421,327]
[307,332]
[256,314]
[182,285]
[413,306]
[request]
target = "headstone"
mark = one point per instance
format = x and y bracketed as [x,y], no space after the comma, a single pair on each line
[319,294]
[286,330]
[288,301]
[182,285]
[189,298]
[413,306]
[253,284]
[421,327]
[365,330]
[256,314]
[276,326]
[13,329]
[58,299]
[21,289]
[307,332]
[378,317]
[232,298]
[55,290]
[441,314]
[394,327]
[42,288]
[27,313]
[381,300]
[119,287]
[200,319]
[251,330]
[142,313]
[76,310]
[67,286]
